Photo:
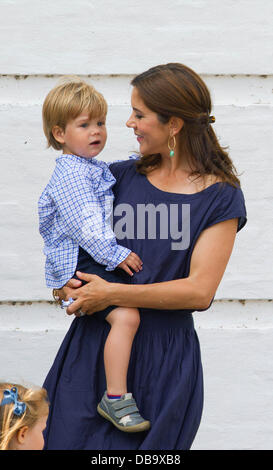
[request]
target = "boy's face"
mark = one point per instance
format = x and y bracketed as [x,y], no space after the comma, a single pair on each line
[82,136]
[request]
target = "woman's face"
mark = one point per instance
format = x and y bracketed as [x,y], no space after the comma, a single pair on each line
[151,134]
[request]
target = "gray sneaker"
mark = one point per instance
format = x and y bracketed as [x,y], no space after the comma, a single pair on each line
[123,413]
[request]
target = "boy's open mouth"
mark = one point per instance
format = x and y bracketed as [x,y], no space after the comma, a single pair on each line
[96,142]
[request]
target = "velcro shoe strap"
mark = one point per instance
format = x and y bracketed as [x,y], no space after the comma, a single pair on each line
[126,411]
[119,404]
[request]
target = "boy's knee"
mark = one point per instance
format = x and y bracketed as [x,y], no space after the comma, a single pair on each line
[128,318]
[133,318]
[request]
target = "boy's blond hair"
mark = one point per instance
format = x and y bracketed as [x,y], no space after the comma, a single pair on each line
[68,100]
[37,405]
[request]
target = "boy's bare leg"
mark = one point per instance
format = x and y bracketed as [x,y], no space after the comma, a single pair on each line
[124,324]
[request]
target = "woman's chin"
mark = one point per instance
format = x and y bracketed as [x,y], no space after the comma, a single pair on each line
[145,150]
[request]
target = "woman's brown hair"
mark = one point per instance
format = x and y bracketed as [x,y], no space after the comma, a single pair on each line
[176,90]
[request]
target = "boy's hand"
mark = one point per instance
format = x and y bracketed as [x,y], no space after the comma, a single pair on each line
[132,261]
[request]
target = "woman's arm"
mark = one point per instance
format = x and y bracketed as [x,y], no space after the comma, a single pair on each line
[208,263]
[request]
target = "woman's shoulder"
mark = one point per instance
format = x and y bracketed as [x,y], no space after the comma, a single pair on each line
[226,202]
[209,180]
[223,192]
[204,182]
[223,188]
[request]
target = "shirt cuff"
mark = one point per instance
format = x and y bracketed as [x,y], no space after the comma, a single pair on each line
[120,255]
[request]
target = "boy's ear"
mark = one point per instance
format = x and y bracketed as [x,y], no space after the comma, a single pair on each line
[58,134]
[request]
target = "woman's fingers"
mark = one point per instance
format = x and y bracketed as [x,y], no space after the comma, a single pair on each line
[66,293]
[74,308]
[86,277]
[90,298]
[73,283]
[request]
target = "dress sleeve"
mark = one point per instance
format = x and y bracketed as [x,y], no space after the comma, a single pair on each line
[230,204]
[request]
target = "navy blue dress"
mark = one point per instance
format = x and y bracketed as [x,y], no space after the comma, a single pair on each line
[165,370]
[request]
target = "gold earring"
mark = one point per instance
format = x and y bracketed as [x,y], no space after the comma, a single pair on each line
[171,147]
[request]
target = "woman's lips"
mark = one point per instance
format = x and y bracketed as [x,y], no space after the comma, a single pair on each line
[139,138]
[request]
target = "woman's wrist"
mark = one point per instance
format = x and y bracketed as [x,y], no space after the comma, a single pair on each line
[114,293]
[133,295]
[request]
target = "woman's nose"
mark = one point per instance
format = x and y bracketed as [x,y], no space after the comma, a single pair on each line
[130,122]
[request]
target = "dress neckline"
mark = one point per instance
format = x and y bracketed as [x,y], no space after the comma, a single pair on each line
[182,195]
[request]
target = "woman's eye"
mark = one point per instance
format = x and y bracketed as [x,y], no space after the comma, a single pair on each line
[139,116]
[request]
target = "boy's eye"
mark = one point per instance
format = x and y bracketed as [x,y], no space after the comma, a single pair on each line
[84,124]
[100,123]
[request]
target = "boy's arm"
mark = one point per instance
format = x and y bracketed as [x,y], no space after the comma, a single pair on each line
[80,217]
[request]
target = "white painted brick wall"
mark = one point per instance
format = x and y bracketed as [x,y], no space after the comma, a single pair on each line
[244,122]
[236,342]
[230,45]
[106,37]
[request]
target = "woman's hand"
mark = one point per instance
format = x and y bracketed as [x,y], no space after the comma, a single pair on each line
[91,297]
[67,290]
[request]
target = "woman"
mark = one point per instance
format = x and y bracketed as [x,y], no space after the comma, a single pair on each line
[186,182]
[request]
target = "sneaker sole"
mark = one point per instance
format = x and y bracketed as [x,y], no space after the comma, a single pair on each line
[137,428]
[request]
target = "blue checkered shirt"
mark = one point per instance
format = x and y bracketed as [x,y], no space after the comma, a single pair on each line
[75,209]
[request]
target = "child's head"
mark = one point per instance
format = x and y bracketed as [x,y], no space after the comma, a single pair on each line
[23,415]
[74,115]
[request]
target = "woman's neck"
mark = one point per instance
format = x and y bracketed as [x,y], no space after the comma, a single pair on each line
[176,164]
[177,175]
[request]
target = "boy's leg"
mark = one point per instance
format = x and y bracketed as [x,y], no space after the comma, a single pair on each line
[124,324]
[120,408]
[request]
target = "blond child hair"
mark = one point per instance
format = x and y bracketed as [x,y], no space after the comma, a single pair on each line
[30,405]
[66,101]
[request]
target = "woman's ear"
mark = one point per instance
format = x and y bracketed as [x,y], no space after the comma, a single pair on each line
[175,124]
[58,134]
